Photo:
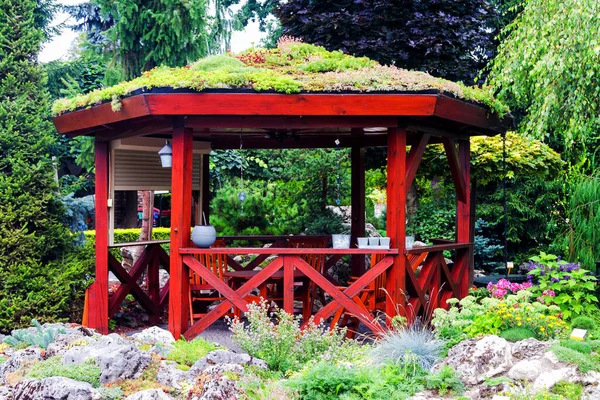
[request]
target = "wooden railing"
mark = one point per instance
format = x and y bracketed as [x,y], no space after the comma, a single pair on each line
[288,259]
[430,280]
[153,299]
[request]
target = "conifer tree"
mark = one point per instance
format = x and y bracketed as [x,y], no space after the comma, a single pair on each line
[32,232]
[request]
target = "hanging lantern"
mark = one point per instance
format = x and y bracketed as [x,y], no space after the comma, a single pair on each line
[166,155]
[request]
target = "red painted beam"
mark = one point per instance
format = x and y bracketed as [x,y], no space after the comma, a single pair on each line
[396,221]
[294,105]
[98,295]
[181,217]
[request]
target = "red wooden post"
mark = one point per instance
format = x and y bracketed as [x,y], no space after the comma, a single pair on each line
[396,221]
[181,216]
[358,205]
[463,217]
[98,298]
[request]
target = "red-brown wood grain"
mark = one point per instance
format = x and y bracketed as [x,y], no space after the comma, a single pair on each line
[98,295]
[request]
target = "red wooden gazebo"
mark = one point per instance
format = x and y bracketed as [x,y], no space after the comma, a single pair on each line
[217,119]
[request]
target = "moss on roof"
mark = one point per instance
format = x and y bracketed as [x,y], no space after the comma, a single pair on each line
[292,67]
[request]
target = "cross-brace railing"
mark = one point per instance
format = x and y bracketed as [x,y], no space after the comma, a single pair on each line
[288,259]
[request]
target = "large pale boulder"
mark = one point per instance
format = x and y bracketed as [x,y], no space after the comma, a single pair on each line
[18,358]
[475,360]
[549,378]
[116,357]
[6,393]
[153,335]
[55,388]
[220,357]
[526,369]
[150,394]
[217,386]
[169,375]
[529,349]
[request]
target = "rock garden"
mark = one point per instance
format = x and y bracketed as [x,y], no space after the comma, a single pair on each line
[507,341]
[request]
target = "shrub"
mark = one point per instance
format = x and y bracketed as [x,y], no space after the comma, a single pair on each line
[282,344]
[570,391]
[583,361]
[42,336]
[418,342]
[33,233]
[572,288]
[583,322]
[580,347]
[187,353]
[327,380]
[469,318]
[86,372]
[445,381]
[517,334]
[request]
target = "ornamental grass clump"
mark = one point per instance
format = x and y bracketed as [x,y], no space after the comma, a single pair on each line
[277,338]
[417,342]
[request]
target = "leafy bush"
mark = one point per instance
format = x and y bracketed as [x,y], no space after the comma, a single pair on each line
[578,346]
[418,342]
[583,361]
[86,372]
[517,334]
[583,322]
[187,353]
[327,380]
[570,391]
[445,381]
[573,287]
[282,344]
[42,336]
[470,318]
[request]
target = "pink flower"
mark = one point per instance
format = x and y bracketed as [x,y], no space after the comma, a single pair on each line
[549,293]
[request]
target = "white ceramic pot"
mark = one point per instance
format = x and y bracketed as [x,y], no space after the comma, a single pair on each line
[204,236]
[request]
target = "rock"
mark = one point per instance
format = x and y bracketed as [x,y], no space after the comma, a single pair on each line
[169,375]
[548,378]
[215,386]
[55,388]
[529,349]
[150,394]
[6,393]
[116,357]
[592,378]
[589,393]
[163,278]
[15,361]
[219,357]
[525,369]
[80,336]
[154,335]
[476,359]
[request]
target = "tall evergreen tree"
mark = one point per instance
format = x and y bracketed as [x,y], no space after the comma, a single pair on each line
[32,231]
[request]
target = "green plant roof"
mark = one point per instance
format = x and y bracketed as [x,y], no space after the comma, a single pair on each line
[292,67]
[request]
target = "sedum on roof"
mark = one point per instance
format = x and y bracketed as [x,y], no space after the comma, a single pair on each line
[292,67]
